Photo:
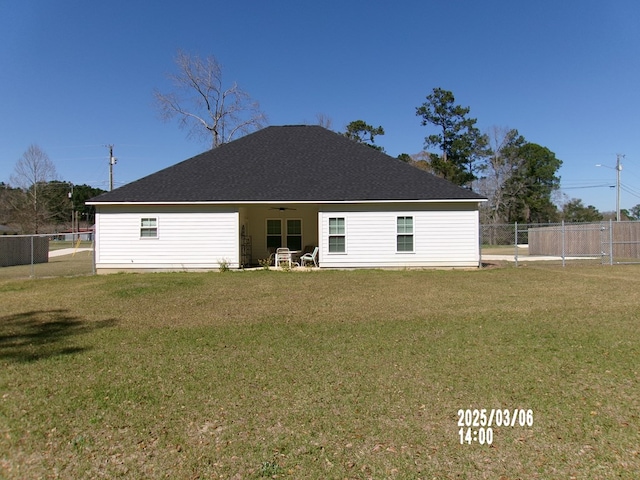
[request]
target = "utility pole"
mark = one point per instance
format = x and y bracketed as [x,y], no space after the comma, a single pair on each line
[70,194]
[112,161]
[618,170]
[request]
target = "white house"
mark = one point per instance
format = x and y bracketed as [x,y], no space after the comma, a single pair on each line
[294,186]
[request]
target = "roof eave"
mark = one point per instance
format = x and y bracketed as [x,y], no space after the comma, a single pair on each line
[297,202]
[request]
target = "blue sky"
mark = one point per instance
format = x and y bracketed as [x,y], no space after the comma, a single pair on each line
[79,75]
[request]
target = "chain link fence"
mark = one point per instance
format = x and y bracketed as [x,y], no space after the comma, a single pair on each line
[609,242]
[50,255]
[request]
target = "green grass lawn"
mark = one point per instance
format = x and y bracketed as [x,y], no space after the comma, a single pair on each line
[321,375]
[503,250]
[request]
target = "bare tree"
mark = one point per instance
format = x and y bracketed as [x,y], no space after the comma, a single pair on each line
[204,105]
[520,180]
[504,143]
[32,173]
[420,160]
[324,121]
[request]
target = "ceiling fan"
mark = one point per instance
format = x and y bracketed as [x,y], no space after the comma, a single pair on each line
[282,209]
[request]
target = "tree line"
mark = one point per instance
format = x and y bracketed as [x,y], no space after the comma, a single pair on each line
[37,202]
[519,178]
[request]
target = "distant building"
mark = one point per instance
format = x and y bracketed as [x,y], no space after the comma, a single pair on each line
[7,230]
[84,234]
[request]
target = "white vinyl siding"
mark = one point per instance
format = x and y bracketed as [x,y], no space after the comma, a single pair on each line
[201,237]
[442,236]
[187,238]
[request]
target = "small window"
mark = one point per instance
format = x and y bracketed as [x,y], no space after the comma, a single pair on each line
[337,242]
[149,228]
[405,234]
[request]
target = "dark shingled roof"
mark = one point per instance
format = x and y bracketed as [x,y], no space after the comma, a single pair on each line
[289,164]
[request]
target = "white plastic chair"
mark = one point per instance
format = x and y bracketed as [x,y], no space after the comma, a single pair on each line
[283,255]
[310,257]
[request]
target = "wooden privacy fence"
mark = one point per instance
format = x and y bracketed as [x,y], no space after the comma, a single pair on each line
[23,250]
[611,239]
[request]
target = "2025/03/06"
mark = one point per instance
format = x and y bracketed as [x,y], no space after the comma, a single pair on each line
[476,425]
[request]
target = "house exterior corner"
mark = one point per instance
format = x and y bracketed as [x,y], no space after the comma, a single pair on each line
[166,238]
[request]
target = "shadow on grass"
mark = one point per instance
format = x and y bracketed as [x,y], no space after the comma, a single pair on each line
[36,335]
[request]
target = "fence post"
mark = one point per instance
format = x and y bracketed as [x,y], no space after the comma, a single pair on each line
[563,244]
[32,270]
[93,256]
[515,257]
[610,241]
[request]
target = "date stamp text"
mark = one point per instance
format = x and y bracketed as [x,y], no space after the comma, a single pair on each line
[476,425]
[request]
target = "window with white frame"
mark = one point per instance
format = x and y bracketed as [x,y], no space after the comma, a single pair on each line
[149,227]
[337,237]
[404,231]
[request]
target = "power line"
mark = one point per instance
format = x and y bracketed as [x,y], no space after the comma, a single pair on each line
[588,186]
[630,191]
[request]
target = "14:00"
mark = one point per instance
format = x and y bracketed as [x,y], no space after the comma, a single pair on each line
[481,435]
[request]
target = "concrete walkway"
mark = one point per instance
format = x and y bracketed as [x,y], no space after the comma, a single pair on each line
[67,251]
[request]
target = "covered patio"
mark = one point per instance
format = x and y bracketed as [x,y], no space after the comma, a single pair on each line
[265,228]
